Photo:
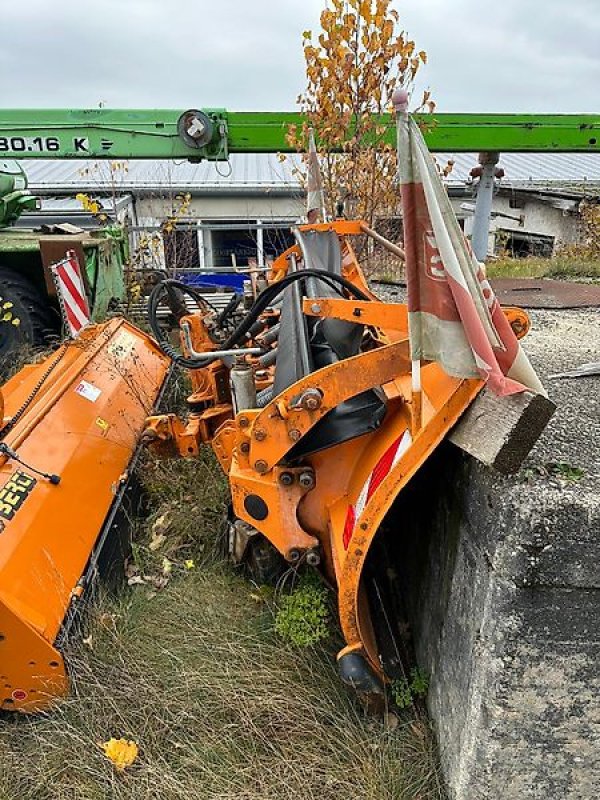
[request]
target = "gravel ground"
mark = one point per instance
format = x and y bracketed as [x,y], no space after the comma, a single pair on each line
[560,340]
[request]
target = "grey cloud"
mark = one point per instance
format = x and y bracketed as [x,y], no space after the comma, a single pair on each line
[539,55]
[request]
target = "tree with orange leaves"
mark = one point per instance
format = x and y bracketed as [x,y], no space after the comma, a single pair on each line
[352,67]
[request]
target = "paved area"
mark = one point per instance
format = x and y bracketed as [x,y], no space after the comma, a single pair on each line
[546,293]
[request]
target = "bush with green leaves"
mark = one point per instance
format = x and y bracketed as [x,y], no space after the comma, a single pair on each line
[303,616]
[404,691]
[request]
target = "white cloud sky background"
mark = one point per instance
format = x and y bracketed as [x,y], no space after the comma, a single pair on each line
[518,55]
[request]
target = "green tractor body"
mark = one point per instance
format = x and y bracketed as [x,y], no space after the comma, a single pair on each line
[30,311]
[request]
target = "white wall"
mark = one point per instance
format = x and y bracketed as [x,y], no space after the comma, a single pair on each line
[221,207]
[538,218]
[152,211]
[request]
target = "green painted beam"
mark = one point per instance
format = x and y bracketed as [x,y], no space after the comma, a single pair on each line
[453,133]
[122,134]
[98,133]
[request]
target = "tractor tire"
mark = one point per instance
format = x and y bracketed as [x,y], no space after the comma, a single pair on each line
[37,320]
[264,563]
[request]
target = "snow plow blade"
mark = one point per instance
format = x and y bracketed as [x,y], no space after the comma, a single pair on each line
[71,427]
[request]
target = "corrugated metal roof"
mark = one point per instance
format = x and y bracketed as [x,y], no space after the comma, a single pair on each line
[262,171]
[243,172]
[538,169]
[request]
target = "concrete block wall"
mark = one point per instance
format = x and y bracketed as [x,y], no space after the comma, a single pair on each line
[502,580]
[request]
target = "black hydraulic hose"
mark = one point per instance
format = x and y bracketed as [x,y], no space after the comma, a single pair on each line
[161,288]
[263,301]
[268,295]
[229,308]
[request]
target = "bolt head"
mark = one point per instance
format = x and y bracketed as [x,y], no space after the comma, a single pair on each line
[294,434]
[261,466]
[315,308]
[243,422]
[306,480]
[294,555]
[245,447]
[310,400]
[286,479]
[313,558]
[260,435]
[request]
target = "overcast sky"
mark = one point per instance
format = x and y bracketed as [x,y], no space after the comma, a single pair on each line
[513,55]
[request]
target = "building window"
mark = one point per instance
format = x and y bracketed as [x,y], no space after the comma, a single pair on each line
[233,241]
[275,241]
[520,244]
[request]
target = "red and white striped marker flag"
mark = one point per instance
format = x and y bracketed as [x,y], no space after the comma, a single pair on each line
[71,293]
[454,316]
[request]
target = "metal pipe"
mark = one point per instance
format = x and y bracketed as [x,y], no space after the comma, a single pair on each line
[269,358]
[483,206]
[271,335]
[390,246]
[299,319]
[241,351]
[243,387]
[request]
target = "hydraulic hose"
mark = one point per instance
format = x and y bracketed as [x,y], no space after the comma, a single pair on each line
[268,295]
[263,301]
[160,289]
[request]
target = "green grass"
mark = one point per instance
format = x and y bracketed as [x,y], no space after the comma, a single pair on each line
[196,674]
[557,267]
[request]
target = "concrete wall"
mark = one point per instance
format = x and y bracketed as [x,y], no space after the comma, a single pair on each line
[502,580]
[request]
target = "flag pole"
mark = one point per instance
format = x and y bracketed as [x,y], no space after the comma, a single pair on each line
[400,100]
[315,200]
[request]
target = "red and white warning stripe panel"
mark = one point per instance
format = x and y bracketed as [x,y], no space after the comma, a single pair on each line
[71,293]
[385,464]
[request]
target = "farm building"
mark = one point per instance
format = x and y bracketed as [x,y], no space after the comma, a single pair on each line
[242,210]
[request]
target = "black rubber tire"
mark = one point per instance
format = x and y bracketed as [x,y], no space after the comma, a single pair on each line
[264,563]
[38,321]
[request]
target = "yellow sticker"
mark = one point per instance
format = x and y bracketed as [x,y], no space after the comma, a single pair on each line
[102,423]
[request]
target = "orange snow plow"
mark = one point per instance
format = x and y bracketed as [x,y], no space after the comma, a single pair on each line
[71,426]
[317,425]
[306,394]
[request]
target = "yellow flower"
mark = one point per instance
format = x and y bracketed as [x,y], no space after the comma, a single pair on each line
[189,563]
[122,752]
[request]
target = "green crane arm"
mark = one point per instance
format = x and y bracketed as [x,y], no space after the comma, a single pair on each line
[214,133]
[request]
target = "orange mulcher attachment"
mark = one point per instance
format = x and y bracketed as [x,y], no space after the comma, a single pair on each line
[71,425]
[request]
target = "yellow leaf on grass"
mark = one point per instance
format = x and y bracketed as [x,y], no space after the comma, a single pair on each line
[157,541]
[122,752]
